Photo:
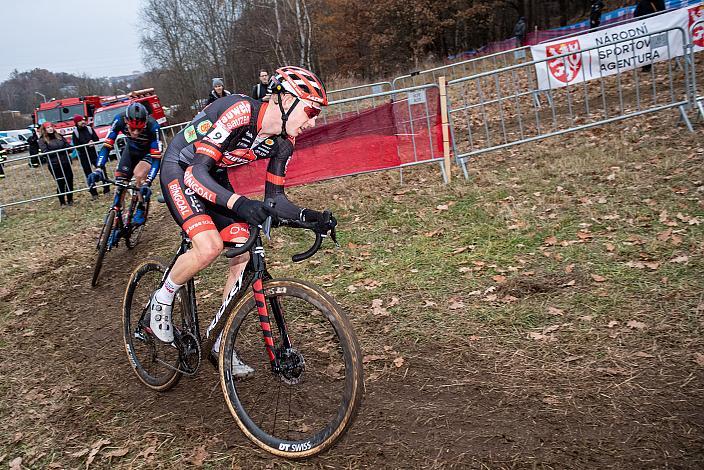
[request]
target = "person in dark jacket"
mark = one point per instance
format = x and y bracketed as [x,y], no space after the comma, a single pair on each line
[218,90]
[519,31]
[85,134]
[51,143]
[260,90]
[33,142]
[648,7]
[595,14]
[3,157]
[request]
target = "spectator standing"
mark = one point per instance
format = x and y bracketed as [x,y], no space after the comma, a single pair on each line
[519,31]
[3,152]
[59,163]
[33,142]
[85,134]
[595,14]
[218,91]
[648,7]
[259,91]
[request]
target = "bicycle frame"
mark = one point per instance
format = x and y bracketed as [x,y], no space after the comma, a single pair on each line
[253,275]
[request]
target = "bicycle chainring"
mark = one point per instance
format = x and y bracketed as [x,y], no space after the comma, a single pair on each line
[189,353]
[292,366]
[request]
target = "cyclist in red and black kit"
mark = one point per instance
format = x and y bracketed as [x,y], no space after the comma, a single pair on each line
[197,181]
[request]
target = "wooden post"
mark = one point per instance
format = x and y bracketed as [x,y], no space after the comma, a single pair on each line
[445,126]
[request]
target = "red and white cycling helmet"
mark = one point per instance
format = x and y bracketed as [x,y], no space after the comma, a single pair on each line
[299,82]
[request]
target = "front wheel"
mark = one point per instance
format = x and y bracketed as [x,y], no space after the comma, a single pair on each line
[103,245]
[306,406]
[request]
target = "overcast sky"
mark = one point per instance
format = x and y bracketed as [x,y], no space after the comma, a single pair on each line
[97,37]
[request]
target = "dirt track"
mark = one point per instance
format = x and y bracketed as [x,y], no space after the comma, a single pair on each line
[466,395]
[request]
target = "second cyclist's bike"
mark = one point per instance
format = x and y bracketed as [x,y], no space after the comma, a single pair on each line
[308,379]
[118,225]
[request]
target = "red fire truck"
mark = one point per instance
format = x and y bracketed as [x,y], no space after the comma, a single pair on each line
[61,112]
[114,105]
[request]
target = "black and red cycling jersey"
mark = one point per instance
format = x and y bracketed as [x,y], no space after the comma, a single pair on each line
[225,135]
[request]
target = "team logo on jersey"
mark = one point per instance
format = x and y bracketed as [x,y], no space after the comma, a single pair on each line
[189,134]
[565,69]
[236,116]
[269,142]
[179,199]
[204,126]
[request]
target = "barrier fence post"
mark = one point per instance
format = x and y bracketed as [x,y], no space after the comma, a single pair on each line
[445,128]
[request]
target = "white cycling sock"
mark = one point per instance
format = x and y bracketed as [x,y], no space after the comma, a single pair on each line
[166,294]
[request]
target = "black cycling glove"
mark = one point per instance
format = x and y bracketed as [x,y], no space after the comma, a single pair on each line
[324,221]
[254,212]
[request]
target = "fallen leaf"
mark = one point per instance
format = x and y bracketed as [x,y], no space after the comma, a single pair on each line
[398,362]
[587,318]
[352,289]
[612,323]
[569,284]
[116,453]
[551,328]
[442,207]
[680,259]
[598,278]
[636,264]
[636,325]
[551,401]
[654,265]
[569,268]
[394,301]
[463,249]
[430,303]
[699,359]
[197,458]
[95,448]
[663,236]
[17,437]
[456,303]
[16,464]
[433,233]
[499,279]
[80,453]
[371,358]
[550,241]
[555,311]
[147,453]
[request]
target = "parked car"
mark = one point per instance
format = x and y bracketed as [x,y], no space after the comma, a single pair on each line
[13,144]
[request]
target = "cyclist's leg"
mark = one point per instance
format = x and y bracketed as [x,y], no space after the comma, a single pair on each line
[140,175]
[124,170]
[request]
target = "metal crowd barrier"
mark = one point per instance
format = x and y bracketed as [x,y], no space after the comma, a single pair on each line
[353,91]
[499,109]
[465,67]
[169,132]
[31,178]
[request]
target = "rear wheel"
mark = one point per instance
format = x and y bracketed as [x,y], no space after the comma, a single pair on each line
[103,245]
[154,362]
[304,408]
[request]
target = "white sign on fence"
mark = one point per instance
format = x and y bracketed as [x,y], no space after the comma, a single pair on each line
[416,97]
[614,52]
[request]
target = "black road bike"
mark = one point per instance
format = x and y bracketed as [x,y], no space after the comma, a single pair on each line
[308,379]
[119,226]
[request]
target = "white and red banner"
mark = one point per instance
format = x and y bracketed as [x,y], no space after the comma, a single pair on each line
[617,49]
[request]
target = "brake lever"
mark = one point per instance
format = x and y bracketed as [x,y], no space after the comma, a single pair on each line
[266,228]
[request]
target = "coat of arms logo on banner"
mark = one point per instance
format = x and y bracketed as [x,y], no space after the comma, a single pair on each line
[697,14]
[565,69]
